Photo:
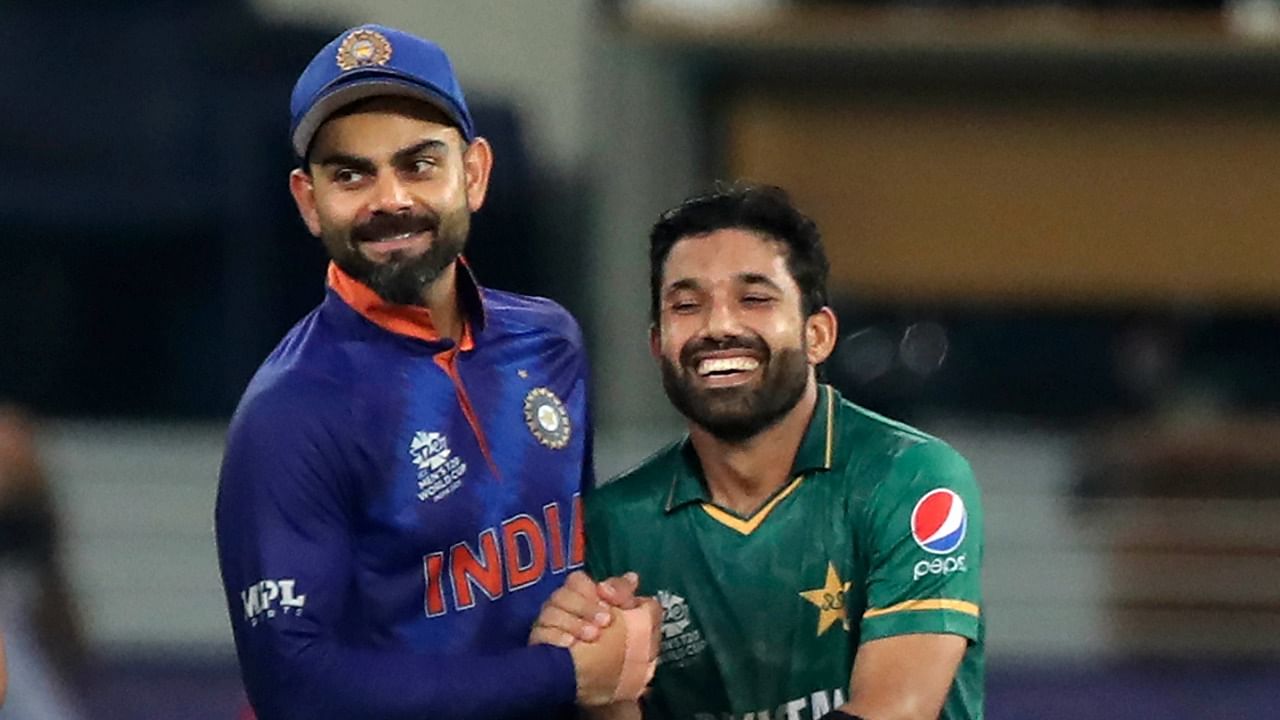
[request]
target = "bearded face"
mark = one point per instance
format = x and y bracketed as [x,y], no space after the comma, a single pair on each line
[389,188]
[731,339]
[768,383]
[399,255]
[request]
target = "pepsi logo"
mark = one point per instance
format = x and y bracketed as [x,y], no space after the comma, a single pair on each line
[938,522]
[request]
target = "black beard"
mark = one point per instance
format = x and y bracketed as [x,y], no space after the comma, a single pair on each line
[738,413]
[402,278]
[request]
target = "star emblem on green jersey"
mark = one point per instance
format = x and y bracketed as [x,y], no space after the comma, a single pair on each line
[830,600]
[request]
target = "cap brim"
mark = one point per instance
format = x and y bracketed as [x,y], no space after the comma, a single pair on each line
[360,89]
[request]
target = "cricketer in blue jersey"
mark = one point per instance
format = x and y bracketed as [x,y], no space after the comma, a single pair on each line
[401,489]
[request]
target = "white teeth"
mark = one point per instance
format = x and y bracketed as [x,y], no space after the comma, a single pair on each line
[395,238]
[728,364]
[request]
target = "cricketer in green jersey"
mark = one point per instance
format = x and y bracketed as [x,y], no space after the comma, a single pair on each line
[813,559]
[764,611]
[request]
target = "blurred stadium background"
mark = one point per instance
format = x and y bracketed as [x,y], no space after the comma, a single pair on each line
[1054,235]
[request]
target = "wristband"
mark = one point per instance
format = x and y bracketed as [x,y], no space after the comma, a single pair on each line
[637,666]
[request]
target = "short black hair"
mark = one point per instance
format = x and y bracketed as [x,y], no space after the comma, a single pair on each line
[765,209]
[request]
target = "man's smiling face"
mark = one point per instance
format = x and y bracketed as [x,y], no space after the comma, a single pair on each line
[730,336]
[387,191]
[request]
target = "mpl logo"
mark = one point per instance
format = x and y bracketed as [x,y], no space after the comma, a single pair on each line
[264,599]
[939,521]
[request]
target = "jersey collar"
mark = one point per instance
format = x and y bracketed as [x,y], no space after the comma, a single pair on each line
[816,453]
[818,447]
[411,320]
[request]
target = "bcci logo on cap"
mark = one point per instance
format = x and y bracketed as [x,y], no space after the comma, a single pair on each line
[939,521]
[362,48]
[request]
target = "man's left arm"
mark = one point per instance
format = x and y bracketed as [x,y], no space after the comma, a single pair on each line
[904,677]
[923,589]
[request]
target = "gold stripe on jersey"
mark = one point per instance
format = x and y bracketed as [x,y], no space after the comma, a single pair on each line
[831,424]
[749,525]
[967,608]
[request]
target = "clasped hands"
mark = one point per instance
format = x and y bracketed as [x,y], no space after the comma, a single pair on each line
[612,635]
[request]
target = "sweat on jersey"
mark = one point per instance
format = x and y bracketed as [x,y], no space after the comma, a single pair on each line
[393,509]
[878,533]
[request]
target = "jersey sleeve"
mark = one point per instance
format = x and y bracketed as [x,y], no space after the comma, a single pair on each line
[924,526]
[283,527]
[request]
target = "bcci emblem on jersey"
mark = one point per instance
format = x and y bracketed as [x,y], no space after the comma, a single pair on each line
[439,470]
[546,417]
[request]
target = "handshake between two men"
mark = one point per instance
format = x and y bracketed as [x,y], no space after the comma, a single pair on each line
[612,635]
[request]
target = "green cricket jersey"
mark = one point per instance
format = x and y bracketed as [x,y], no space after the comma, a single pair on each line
[878,533]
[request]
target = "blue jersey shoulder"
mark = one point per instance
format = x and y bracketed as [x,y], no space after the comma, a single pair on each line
[317,369]
[514,313]
[303,359]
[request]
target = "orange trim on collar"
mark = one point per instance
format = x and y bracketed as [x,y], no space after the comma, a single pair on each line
[448,361]
[407,320]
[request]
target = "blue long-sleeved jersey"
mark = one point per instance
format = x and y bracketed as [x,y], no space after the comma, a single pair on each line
[394,509]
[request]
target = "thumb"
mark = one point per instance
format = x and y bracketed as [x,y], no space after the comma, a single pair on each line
[620,591]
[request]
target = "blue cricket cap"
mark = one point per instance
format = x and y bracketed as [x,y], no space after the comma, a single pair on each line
[369,61]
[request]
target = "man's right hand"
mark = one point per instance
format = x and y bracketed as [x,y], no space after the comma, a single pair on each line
[619,665]
[579,609]
[615,641]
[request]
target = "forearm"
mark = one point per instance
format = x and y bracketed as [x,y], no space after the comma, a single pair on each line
[357,684]
[853,710]
[616,711]
[905,677]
